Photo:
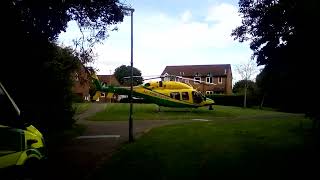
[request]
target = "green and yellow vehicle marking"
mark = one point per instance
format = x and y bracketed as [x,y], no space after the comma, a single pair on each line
[15,149]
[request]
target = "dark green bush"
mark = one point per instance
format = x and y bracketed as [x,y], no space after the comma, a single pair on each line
[233,100]
[77,98]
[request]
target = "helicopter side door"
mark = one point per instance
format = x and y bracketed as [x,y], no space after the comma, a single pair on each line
[185,96]
[196,97]
[175,95]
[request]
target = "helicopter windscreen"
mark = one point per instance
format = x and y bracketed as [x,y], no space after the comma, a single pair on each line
[197,97]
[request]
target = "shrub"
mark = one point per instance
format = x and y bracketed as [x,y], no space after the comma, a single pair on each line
[77,98]
[233,100]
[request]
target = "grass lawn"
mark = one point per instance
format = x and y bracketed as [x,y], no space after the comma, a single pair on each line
[241,144]
[81,107]
[120,112]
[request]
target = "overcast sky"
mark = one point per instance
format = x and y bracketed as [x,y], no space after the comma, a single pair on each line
[171,32]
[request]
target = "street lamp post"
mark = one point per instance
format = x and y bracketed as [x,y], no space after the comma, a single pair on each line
[131,139]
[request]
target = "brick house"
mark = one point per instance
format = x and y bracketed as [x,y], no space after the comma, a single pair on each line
[217,77]
[109,80]
[81,84]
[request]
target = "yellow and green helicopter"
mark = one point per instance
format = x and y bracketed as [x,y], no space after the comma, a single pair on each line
[163,93]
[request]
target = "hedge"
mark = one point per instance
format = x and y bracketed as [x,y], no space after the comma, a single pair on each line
[233,100]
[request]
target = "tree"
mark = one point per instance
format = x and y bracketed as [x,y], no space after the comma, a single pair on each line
[239,87]
[36,71]
[262,86]
[246,71]
[125,71]
[282,38]
[60,67]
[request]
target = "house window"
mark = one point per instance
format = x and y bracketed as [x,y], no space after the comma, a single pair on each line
[209,92]
[103,95]
[197,80]
[175,95]
[209,80]
[166,77]
[220,80]
[185,96]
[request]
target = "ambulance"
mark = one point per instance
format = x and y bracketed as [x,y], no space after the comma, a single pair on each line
[22,147]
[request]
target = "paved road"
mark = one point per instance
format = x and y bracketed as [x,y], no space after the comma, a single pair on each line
[81,156]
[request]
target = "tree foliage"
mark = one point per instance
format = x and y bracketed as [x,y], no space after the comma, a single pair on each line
[282,35]
[239,87]
[125,71]
[48,18]
[37,72]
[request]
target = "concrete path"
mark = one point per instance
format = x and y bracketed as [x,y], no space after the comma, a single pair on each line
[82,155]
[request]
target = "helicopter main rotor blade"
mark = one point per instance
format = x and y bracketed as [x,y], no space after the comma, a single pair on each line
[171,76]
[153,78]
[127,77]
[150,77]
[200,82]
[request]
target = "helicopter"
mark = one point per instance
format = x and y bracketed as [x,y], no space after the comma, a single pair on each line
[163,93]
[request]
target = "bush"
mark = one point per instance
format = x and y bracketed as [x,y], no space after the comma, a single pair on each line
[42,85]
[77,98]
[233,100]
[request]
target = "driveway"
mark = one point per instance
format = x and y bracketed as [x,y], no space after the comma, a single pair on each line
[78,158]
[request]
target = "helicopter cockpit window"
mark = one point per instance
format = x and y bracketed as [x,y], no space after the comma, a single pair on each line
[197,97]
[185,96]
[175,95]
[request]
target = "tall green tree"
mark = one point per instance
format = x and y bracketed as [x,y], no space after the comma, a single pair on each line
[35,70]
[282,36]
[123,73]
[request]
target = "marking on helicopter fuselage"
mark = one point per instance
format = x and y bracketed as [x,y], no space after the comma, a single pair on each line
[156,94]
[98,136]
[201,120]
[163,96]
